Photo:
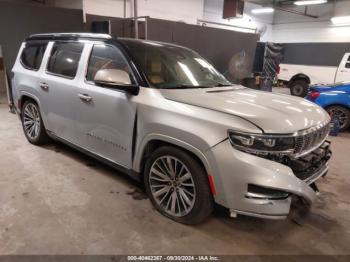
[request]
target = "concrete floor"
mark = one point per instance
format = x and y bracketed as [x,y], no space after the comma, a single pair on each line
[54,200]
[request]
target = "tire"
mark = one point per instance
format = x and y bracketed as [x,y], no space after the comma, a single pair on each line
[343,115]
[32,123]
[299,88]
[188,209]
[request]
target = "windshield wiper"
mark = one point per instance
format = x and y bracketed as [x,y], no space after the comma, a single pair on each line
[183,86]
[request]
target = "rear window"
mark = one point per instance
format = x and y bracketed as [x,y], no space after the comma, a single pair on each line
[64,58]
[32,55]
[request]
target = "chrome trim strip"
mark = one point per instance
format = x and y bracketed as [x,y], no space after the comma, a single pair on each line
[311,179]
[265,196]
[265,216]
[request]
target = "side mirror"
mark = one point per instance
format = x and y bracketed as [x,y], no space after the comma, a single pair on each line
[115,78]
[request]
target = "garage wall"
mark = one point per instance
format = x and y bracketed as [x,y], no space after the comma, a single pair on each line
[213,12]
[112,8]
[290,27]
[188,11]
[179,10]
[31,19]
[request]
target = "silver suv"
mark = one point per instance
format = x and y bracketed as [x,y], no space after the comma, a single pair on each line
[167,117]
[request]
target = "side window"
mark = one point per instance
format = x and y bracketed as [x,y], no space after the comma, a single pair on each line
[347,64]
[64,58]
[106,57]
[32,55]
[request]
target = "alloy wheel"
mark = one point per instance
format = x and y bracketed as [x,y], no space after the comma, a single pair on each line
[341,114]
[31,120]
[172,186]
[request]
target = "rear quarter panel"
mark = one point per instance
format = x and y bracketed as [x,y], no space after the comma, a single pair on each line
[334,96]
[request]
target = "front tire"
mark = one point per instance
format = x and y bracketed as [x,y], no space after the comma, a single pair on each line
[343,115]
[32,123]
[299,88]
[177,186]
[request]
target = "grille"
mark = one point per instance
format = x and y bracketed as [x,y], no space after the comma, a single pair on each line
[310,139]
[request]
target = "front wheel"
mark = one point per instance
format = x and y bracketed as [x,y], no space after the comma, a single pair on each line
[299,88]
[343,115]
[177,185]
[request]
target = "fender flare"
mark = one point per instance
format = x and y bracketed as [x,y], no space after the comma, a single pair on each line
[299,76]
[171,140]
[24,93]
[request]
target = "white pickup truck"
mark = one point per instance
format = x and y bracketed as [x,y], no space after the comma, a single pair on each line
[306,64]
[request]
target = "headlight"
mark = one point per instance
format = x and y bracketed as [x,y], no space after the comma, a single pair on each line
[262,143]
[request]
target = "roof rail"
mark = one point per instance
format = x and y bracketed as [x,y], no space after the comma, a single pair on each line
[68,36]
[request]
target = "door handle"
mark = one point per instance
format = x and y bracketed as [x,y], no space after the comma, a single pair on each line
[85,97]
[44,86]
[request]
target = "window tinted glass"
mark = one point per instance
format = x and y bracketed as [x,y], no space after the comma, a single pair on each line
[65,58]
[106,57]
[32,55]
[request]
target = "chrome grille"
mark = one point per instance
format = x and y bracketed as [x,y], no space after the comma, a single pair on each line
[310,139]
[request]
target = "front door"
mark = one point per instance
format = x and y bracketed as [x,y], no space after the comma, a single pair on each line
[343,73]
[106,116]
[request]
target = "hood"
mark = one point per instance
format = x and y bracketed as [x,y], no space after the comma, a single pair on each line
[272,112]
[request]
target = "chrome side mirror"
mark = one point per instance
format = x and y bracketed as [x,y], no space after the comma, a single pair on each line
[117,79]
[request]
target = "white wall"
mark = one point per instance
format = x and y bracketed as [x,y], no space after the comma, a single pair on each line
[213,10]
[113,8]
[289,27]
[180,10]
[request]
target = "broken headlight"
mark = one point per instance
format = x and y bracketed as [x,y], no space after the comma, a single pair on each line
[262,143]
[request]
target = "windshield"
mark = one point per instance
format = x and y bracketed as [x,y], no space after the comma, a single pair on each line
[167,66]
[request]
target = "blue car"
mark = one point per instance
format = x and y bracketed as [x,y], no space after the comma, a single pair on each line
[335,99]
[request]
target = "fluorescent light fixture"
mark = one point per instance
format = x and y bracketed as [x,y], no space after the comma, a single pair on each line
[264,10]
[340,20]
[310,2]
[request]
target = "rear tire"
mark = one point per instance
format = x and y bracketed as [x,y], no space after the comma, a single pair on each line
[299,88]
[177,186]
[32,123]
[343,115]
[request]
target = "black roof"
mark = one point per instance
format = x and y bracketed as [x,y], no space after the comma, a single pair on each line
[68,36]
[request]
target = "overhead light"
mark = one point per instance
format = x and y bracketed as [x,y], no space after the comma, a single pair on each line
[310,2]
[264,10]
[340,20]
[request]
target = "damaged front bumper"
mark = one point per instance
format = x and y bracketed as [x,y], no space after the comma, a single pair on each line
[261,187]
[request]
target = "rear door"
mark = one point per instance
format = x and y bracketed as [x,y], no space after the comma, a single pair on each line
[343,73]
[58,86]
[106,116]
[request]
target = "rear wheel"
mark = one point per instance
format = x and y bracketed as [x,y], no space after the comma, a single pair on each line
[32,123]
[299,87]
[177,186]
[343,115]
